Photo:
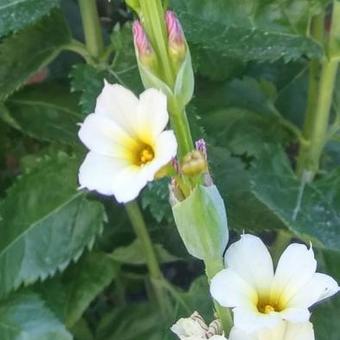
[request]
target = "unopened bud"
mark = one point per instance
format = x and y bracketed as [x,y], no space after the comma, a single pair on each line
[194,163]
[202,147]
[176,39]
[144,50]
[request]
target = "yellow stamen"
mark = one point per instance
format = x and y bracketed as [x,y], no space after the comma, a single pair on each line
[268,309]
[144,154]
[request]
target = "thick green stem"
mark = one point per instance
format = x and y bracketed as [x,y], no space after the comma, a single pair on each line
[91,25]
[156,276]
[316,124]
[212,267]
[321,87]
[180,124]
[153,20]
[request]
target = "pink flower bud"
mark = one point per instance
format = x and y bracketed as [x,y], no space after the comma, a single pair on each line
[202,147]
[175,35]
[142,44]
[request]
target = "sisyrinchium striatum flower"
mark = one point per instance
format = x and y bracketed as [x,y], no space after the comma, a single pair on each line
[127,142]
[283,331]
[261,298]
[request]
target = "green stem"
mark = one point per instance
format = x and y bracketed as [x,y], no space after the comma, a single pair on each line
[154,24]
[91,25]
[79,48]
[212,267]
[321,87]
[156,276]
[180,124]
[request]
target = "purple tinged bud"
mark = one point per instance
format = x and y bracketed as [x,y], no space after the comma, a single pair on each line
[176,39]
[202,147]
[142,44]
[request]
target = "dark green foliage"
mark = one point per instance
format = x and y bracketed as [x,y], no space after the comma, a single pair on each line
[15,15]
[44,208]
[24,53]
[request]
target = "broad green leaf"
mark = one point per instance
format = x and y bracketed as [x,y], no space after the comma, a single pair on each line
[46,223]
[244,132]
[155,198]
[70,294]
[24,53]
[124,67]
[311,211]
[16,14]
[135,321]
[24,316]
[84,281]
[89,82]
[46,112]
[233,180]
[261,31]
[133,254]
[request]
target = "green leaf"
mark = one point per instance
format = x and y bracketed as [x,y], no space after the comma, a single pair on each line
[155,198]
[244,132]
[234,183]
[84,281]
[46,112]
[124,67]
[24,53]
[312,211]
[261,31]
[133,254]
[89,82]
[135,321]
[24,316]
[70,294]
[46,223]
[14,14]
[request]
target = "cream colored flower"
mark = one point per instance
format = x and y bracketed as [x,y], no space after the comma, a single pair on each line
[283,331]
[261,299]
[195,328]
[126,141]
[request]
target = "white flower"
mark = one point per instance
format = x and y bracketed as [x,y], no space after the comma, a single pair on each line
[261,299]
[195,328]
[283,331]
[126,141]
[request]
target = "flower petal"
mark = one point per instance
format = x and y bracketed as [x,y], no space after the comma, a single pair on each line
[320,287]
[118,104]
[295,269]
[97,172]
[103,136]
[300,331]
[238,334]
[250,320]
[295,314]
[250,258]
[152,113]
[230,290]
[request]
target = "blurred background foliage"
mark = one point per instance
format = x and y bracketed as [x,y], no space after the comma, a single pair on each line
[70,267]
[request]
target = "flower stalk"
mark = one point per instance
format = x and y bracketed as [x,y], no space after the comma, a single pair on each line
[91,25]
[156,276]
[321,88]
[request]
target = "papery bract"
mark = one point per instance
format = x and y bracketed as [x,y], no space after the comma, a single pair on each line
[126,141]
[261,299]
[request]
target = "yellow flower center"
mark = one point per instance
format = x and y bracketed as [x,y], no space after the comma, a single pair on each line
[267,306]
[144,154]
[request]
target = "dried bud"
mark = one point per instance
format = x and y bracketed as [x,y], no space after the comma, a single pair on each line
[176,39]
[144,50]
[194,163]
